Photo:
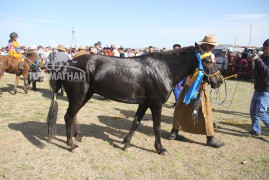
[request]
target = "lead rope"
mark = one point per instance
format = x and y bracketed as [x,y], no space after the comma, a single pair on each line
[218,95]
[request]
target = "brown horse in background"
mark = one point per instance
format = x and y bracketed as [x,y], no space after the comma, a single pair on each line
[10,65]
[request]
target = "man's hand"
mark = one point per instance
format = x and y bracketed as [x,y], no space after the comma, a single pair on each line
[255,57]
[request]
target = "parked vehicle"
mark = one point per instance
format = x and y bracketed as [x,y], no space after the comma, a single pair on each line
[221,58]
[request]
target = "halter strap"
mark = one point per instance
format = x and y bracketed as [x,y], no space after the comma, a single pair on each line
[205,55]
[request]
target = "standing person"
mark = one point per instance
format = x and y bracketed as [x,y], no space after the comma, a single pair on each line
[58,56]
[122,54]
[260,99]
[82,51]
[151,50]
[177,89]
[5,51]
[35,67]
[114,50]
[98,47]
[184,113]
[14,49]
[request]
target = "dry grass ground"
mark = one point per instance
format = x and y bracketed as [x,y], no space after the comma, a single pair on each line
[26,154]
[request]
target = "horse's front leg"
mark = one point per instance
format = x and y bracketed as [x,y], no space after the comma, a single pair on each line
[156,116]
[16,85]
[138,116]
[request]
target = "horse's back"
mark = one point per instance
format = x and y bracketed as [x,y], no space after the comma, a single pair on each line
[130,80]
[7,64]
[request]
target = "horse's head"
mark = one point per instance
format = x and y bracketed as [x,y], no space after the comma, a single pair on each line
[33,57]
[211,73]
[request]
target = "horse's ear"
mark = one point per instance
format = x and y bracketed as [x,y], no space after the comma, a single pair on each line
[198,48]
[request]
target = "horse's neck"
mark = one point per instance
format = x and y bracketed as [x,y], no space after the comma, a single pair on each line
[181,68]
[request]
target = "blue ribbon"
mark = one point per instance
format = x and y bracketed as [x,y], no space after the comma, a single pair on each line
[192,93]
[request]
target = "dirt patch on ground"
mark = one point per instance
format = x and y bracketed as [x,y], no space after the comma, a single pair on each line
[26,154]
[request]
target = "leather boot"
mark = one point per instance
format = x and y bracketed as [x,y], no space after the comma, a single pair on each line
[34,87]
[21,65]
[175,136]
[214,142]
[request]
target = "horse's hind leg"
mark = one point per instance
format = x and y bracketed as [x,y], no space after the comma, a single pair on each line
[16,85]
[138,116]
[69,121]
[75,105]
[77,132]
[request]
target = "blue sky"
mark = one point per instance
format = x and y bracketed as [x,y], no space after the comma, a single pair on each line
[134,24]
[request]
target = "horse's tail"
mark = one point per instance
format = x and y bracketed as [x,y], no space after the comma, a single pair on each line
[53,110]
[52,117]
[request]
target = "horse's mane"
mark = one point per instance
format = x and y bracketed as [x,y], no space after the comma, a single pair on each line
[173,52]
[30,53]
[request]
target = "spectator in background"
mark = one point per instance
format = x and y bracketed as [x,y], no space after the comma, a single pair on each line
[176,46]
[46,54]
[131,53]
[98,47]
[72,52]
[231,61]
[151,50]
[177,89]
[81,51]
[35,67]
[114,50]
[4,51]
[93,50]
[58,57]
[122,54]
[40,51]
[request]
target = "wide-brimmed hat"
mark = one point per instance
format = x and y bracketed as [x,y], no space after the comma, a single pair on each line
[32,47]
[113,46]
[209,39]
[61,47]
[82,48]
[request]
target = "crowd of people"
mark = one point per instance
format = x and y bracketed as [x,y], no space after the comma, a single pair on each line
[73,52]
[183,115]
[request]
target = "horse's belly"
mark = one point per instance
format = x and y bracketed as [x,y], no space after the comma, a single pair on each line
[123,93]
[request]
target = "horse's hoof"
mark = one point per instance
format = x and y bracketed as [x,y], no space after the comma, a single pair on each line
[162,151]
[50,140]
[74,147]
[78,138]
[125,140]
[126,147]
[35,89]
[15,92]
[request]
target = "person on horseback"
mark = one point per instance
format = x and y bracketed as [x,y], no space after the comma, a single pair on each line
[14,49]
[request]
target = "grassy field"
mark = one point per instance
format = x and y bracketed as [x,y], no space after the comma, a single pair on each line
[26,154]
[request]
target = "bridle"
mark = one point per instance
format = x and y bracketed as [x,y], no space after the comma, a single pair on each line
[205,55]
[211,75]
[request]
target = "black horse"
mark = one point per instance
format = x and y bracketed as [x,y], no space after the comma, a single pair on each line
[147,80]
